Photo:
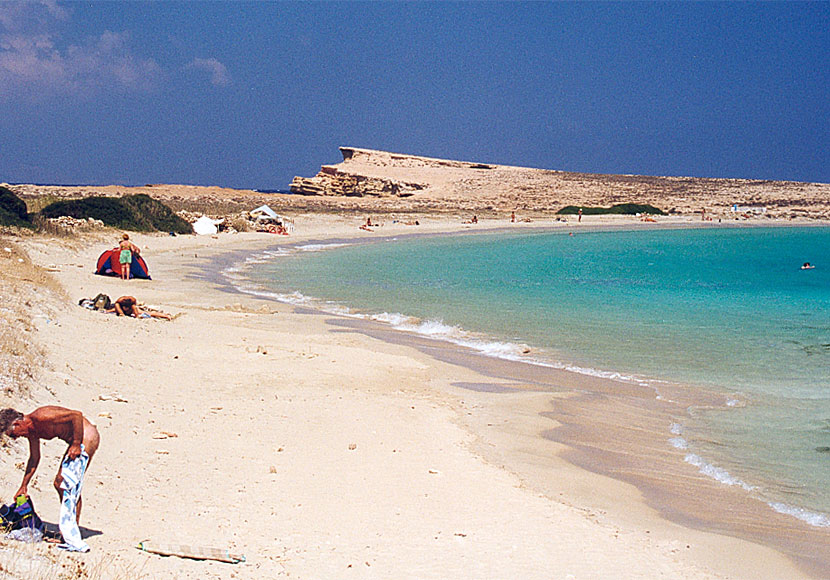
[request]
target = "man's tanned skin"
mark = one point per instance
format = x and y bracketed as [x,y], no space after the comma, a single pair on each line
[52,422]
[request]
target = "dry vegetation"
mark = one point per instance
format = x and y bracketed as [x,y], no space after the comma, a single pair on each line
[28,292]
[42,561]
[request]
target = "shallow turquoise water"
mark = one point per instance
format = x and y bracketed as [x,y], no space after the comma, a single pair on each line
[728,309]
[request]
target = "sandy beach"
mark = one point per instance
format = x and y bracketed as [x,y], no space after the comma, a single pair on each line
[322,449]
[437,290]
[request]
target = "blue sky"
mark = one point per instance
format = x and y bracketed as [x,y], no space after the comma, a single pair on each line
[251,94]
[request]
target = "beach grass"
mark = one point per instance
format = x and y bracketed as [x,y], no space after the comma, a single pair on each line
[42,561]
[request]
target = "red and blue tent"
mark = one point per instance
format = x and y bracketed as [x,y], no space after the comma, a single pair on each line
[108,265]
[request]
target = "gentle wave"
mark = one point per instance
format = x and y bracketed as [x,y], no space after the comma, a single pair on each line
[715,472]
[679,442]
[430,328]
[812,518]
[706,468]
[437,329]
[320,247]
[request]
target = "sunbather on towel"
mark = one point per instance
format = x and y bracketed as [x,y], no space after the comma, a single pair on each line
[48,423]
[128,306]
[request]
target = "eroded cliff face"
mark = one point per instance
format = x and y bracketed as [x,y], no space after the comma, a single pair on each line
[332,181]
[445,184]
[365,172]
[351,178]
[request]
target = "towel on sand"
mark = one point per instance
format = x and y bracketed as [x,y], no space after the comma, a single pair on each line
[72,472]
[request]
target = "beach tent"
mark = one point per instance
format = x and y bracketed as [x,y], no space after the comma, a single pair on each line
[204,226]
[108,265]
[265,216]
[264,212]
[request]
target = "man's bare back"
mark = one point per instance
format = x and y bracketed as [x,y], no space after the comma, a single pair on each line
[51,422]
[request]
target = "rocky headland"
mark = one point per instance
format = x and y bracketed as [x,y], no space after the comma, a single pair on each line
[380,182]
[483,186]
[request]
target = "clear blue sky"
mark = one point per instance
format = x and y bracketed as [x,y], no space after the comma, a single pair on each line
[250,94]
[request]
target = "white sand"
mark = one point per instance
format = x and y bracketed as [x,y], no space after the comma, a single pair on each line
[317,452]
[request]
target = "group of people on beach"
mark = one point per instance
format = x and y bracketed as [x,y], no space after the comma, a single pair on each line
[128,305]
[71,426]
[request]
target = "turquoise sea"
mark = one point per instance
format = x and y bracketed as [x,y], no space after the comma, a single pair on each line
[724,309]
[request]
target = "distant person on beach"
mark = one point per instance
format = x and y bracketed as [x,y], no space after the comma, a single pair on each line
[125,256]
[807,266]
[48,423]
[512,217]
[579,215]
[128,306]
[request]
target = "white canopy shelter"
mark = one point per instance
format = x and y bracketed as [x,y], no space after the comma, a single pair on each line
[205,226]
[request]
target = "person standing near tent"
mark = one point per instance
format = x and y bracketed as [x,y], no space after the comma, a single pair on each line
[125,257]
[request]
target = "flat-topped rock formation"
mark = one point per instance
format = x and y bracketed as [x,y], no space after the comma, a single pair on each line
[469,185]
[379,182]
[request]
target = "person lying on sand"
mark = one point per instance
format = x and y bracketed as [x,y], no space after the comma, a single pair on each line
[48,423]
[128,306]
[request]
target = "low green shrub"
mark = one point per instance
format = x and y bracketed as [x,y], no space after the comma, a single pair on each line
[619,209]
[110,210]
[139,213]
[156,215]
[13,210]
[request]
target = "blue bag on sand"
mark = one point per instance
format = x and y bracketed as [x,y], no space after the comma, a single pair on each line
[20,514]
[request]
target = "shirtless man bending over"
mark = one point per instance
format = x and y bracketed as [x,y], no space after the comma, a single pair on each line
[47,423]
